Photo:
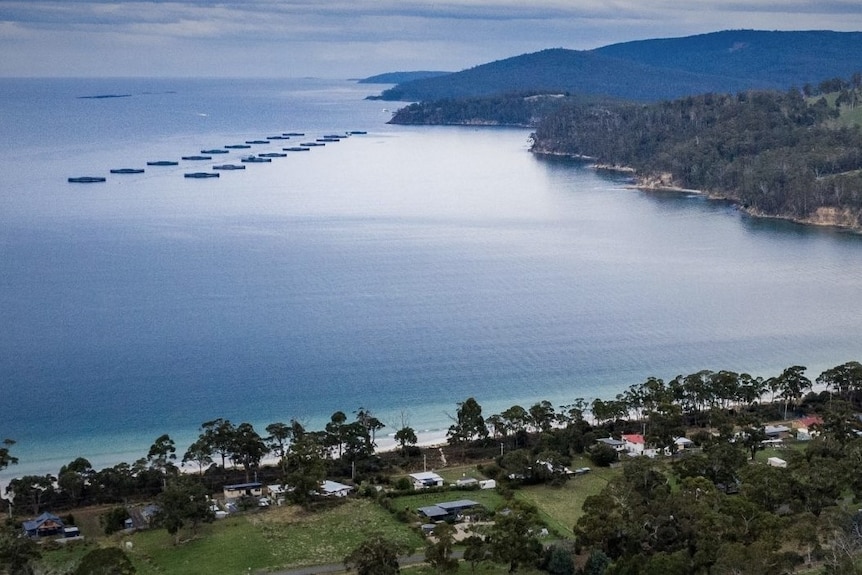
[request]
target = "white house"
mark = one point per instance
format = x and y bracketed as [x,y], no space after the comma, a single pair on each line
[334,489]
[426,479]
[636,445]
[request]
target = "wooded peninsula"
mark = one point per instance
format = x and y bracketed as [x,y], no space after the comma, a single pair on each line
[794,154]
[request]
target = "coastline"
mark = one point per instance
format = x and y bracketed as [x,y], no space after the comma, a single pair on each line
[842,219]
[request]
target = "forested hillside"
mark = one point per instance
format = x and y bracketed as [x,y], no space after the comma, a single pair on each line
[775,153]
[650,70]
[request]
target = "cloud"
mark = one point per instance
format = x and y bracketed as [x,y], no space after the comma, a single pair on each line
[358,37]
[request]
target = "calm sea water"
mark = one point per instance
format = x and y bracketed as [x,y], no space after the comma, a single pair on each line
[403,271]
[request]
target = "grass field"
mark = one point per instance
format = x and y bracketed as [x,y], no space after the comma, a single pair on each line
[280,537]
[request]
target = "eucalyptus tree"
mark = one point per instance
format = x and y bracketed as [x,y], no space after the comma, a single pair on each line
[542,416]
[74,478]
[792,384]
[406,436]
[844,380]
[162,454]
[371,425]
[468,423]
[183,502]
[200,454]
[278,440]
[335,431]
[247,448]
[218,436]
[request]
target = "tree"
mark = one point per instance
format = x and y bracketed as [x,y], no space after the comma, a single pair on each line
[278,440]
[17,552]
[335,431]
[375,556]
[218,436]
[6,458]
[247,448]
[306,460]
[105,561]
[32,492]
[199,453]
[162,454]
[114,520]
[512,537]
[406,436]
[184,501]
[74,478]
[371,424]
[476,550]
[438,549]
[469,423]
[791,384]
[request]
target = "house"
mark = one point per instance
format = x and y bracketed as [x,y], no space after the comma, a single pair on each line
[426,479]
[775,431]
[334,489]
[636,445]
[254,489]
[683,443]
[448,510]
[43,526]
[618,445]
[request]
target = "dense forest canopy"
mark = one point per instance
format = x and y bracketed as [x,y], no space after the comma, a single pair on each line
[776,153]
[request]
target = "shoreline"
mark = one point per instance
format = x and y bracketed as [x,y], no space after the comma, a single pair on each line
[841,219]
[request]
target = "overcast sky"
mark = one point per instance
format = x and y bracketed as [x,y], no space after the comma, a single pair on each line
[357,38]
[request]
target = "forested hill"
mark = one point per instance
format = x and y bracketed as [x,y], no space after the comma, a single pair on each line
[651,70]
[775,153]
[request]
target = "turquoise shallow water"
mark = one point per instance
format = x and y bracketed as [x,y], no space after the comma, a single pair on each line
[402,271]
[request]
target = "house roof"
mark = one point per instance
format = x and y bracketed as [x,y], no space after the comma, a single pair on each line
[328,486]
[456,505]
[433,511]
[611,441]
[253,485]
[809,421]
[426,476]
[634,438]
[35,524]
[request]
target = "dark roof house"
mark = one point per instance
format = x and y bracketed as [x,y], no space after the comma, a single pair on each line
[44,525]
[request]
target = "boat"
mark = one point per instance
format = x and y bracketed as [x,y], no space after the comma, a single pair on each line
[278,137]
[86,180]
[357,132]
[334,136]
[311,144]
[329,139]
[238,146]
[127,171]
[214,151]
[201,175]
[296,149]
[255,160]
[257,141]
[290,134]
[272,155]
[229,167]
[163,163]
[196,158]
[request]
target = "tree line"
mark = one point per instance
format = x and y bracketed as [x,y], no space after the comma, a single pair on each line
[775,153]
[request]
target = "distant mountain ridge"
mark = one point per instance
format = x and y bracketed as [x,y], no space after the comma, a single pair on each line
[649,70]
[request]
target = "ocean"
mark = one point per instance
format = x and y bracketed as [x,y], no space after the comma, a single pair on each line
[402,271]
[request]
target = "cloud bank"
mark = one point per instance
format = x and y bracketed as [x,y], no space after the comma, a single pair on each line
[264,38]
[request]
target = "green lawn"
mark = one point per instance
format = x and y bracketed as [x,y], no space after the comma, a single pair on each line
[275,538]
[561,507]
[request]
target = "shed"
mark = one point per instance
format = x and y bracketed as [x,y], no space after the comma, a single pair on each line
[426,479]
[776,462]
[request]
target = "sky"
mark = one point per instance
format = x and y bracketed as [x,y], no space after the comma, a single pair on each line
[356,38]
